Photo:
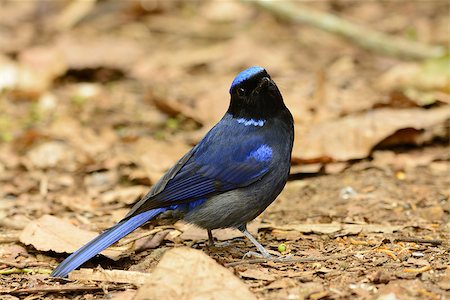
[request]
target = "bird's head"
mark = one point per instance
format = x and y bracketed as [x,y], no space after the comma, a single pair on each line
[254,95]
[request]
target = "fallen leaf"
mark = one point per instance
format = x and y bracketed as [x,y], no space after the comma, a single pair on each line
[82,53]
[185,273]
[156,157]
[308,289]
[34,72]
[444,283]
[127,195]
[433,213]
[354,136]
[257,274]
[409,160]
[151,242]
[430,75]
[49,155]
[117,276]
[127,294]
[49,233]
[281,283]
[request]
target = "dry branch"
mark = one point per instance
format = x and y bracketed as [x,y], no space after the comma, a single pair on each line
[364,37]
[286,260]
[58,289]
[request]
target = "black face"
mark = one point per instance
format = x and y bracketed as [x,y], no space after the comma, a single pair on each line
[256,97]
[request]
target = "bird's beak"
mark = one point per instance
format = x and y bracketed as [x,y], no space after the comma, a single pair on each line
[264,83]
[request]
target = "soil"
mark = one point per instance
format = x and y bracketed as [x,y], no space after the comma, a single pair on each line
[111,101]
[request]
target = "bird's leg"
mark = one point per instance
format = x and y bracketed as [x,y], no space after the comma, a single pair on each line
[210,238]
[260,247]
[211,242]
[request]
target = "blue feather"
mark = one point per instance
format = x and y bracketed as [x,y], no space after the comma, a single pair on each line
[103,241]
[244,75]
[253,122]
[262,154]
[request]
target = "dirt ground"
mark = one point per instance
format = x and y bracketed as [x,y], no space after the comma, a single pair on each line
[98,100]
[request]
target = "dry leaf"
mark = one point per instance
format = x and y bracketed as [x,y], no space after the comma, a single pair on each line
[354,136]
[50,155]
[127,195]
[258,274]
[185,273]
[34,72]
[156,157]
[81,53]
[117,276]
[49,233]
[409,160]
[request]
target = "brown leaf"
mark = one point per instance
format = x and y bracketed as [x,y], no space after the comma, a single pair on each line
[127,195]
[258,274]
[49,155]
[34,72]
[156,157]
[354,136]
[117,276]
[49,233]
[185,273]
[81,53]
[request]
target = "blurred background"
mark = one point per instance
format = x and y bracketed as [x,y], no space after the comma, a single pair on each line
[99,98]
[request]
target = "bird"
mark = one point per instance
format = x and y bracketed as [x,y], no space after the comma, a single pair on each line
[229,178]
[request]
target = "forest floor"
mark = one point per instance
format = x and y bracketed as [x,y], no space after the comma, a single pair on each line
[105,105]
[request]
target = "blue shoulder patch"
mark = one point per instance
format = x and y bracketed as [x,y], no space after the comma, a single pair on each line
[244,75]
[249,122]
[263,153]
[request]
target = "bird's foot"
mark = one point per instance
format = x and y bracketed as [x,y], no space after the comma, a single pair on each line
[267,256]
[251,254]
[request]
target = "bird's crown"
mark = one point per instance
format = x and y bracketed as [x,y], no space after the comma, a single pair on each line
[245,75]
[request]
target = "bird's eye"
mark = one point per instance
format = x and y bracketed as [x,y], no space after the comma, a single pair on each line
[240,92]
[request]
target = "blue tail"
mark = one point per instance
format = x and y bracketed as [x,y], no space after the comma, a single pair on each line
[103,241]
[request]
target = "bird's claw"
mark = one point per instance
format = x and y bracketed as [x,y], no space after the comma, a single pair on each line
[265,255]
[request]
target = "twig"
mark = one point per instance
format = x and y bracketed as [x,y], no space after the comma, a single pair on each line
[59,289]
[22,265]
[418,270]
[24,270]
[418,240]
[364,37]
[285,260]
[73,14]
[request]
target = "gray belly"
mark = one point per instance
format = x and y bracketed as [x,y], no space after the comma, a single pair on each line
[237,207]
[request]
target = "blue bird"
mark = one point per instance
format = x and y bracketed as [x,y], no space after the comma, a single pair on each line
[226,180]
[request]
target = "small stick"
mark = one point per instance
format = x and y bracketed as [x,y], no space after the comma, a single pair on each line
[286,260]
[418,240]
[58,289]
[360,35]
[25,270]
[23,265]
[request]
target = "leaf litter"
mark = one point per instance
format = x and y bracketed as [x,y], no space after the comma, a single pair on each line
[86,128]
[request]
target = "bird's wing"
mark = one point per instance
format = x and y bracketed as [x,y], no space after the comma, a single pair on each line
[208,169]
